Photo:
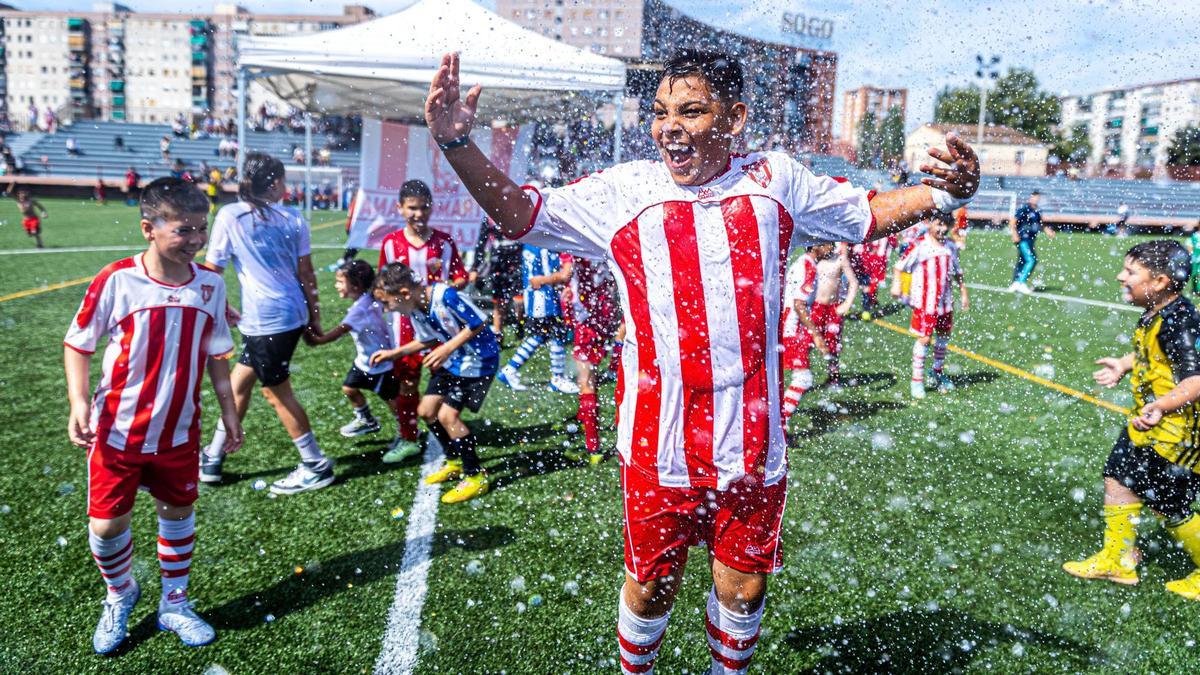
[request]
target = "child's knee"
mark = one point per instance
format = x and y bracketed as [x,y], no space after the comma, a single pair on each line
[447,416]
[350,392]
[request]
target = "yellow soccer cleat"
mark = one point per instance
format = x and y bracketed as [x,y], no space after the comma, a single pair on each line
[1188,587]
[468,488]
[450,470]
[595,458]
[1105,565]
[865,316]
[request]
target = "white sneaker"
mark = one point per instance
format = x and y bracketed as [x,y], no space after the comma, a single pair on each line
[360,425]
[303,479]
[113,627]
[917,389]
[1012,288]
[182,620]
[508,375]
[1025,289]
[562,385]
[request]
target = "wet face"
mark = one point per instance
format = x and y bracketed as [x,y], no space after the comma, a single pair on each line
[938,230]
[177,238]
[1139,285]
[341,284]
[693,129]
[415,211]
[403,300]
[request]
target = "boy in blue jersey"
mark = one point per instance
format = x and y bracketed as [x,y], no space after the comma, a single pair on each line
[542,272]
[462,362]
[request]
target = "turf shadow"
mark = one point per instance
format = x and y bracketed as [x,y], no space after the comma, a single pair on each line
[823,420]
[854,380]
[969,379]
[497,435]
[921,641]
[515,466]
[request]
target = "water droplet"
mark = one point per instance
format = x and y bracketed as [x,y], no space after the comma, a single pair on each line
[260,484]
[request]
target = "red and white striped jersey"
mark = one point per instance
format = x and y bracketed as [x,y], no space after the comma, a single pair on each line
[801,285]
[701,275]
[594,294]
[435,260]
[159,339]
[880,248]
[933,265]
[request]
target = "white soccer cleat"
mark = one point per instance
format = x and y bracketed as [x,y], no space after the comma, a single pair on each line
[917,389]
[303,479]
[508,375]
[113,627]
[1024,289]
[359,426]
[563,385]
[182,620]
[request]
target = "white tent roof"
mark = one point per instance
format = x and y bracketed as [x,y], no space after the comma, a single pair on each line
[383,67]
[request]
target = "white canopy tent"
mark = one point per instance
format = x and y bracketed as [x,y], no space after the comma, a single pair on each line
[382,68]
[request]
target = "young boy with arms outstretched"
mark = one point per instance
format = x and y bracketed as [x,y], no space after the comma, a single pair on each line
[463,358]
[30,219]
[160,319]
[699,242]
[1155,458]
[932,262]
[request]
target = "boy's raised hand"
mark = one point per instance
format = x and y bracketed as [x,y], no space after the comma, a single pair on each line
[1110,373]
[447,116]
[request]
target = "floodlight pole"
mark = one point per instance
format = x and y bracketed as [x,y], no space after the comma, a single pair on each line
[618,125]
[985,70]
[308,165]
[241,120]
[982,112]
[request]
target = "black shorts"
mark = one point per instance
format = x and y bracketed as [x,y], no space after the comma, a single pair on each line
[458,392]
[547,327]
[1164,486]
[385,384]
[505,277]
[270,355]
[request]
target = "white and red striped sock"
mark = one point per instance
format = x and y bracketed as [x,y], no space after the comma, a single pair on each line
[175,541]
[939,352]
[732,636]
[798,385]
[114,557]
[639,639]
[919,350]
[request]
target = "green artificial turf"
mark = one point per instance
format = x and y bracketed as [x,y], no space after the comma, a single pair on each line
[919,537]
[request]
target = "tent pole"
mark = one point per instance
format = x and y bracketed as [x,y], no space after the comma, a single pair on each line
[241,120]
[618,125]
[308,166]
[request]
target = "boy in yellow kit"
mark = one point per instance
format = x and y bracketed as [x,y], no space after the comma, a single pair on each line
[1155,459]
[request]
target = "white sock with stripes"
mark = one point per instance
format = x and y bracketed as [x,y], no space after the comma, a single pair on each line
[918,371]
[801,381]
[732,636]
[175,541]
[558,358]
[525,350]
[639,639]
[215,449]
[114,557]
[939,352]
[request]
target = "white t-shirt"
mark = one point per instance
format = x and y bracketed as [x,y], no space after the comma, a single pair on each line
[370,333]
[265,255]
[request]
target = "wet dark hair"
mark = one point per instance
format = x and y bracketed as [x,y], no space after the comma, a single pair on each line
[395,276]
[359,273]
[415,188]
[1166,257]
[722,71]
[259,173]
[170,197]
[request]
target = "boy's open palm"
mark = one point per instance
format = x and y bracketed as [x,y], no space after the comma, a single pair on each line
[447,116]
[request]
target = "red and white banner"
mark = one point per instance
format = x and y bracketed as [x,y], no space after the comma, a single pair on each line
[393,153]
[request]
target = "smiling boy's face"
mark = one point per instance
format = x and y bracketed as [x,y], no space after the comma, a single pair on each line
[1139,285]
[693,129]
[177,238]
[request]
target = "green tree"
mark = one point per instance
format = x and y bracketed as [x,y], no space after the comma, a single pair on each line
[868,140]
[1184,149]
[1072,148]
[956,105]
[1015,101]
[891,135]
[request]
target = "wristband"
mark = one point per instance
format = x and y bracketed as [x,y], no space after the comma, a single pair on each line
[947,204]
[456,143]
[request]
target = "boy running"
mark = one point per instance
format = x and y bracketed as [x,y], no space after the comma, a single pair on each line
[463,358]
[933,265]
[698,242]
[543,271]
[30,208]
[1155,458]
[434,257]
[160,319]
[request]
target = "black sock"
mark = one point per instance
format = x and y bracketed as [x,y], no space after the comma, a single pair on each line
[465,448]
[440,433]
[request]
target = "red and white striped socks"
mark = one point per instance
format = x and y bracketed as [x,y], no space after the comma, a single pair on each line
[919,351]
[732,636]
[799,384]
[175,541]
[939,352]
[589,417]
[639,639]
[114,557]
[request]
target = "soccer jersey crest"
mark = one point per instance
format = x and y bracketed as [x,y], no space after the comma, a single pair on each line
[206,291]
[759,172]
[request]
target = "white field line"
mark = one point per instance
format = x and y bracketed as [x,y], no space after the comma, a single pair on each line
[400,641]
[1060,298]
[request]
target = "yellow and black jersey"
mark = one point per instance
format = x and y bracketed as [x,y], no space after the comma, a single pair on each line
[1164,345]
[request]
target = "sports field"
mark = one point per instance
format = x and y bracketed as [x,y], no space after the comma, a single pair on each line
[919,537]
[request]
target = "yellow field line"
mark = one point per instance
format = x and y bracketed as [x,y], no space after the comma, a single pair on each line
[83,280]
[1013,370]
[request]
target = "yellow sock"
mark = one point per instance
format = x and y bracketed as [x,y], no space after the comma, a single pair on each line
[1120,528]
[1188,536]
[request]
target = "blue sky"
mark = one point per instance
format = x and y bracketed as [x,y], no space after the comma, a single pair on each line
[1074,46]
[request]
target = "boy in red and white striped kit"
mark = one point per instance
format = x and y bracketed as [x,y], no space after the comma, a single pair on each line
[933,263]
[161,321]
[698,242]
[869,261]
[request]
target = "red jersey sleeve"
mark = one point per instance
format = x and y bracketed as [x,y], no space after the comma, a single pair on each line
[458,271]
[94,316]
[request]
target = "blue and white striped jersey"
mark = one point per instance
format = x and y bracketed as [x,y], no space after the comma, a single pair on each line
[450,312]
[543,302]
